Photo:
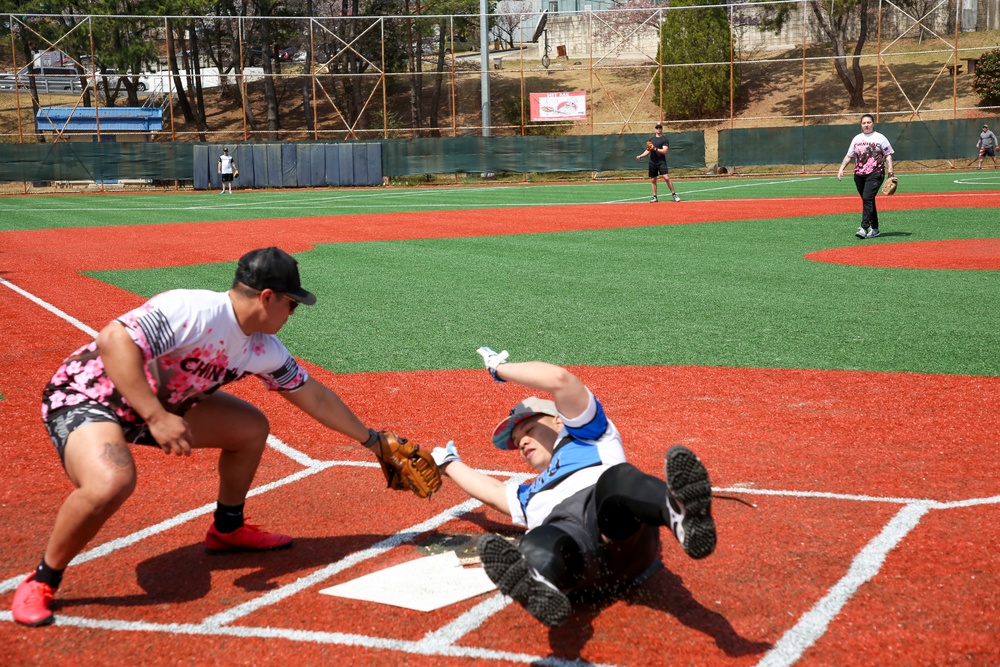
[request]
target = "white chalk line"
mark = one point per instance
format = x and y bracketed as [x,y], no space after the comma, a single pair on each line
[49,307]
[421,647]
[352,200]
[810,627]
[813,624]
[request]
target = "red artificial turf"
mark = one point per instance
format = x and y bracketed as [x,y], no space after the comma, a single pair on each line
[970,254]
[875,435]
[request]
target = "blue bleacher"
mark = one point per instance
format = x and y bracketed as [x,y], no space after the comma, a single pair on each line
[112,119]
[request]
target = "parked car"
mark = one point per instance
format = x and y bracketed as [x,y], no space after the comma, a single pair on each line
[285,53]
[47,79]
[142,85]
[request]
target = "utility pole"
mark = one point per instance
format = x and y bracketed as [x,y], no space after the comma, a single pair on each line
[484,50]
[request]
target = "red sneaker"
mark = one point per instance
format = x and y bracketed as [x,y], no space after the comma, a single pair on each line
[31,603]
[245,538]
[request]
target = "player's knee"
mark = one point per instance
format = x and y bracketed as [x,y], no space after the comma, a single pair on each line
[554,554]
[253,429]
[616,478]
[106,493]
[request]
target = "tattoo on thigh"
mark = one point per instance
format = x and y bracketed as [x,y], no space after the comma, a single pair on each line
[117,453]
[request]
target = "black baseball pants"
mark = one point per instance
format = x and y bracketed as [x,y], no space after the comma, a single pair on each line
[868,186]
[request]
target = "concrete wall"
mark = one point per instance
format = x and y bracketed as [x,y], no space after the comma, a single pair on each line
[625,35]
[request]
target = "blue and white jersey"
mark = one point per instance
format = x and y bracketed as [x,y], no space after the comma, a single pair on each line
[586,447]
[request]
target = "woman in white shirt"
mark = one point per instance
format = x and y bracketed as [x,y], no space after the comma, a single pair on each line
[872,157]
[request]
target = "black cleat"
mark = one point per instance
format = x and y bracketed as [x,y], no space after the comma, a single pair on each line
[506,567]
[689,502]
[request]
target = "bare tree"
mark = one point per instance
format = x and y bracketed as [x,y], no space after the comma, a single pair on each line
[842,22]
[510,15]
[178,84]
[619,30]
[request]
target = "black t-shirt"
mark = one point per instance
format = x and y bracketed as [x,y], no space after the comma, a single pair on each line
[659,142]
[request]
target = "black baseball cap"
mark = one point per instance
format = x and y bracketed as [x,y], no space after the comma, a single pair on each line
[274,269]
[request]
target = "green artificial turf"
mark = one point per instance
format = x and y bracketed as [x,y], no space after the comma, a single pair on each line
[720,294]
[43,212]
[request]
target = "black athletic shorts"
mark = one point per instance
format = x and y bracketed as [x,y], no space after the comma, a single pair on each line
[988,151]
[60,423]
[657,169]
[226,178]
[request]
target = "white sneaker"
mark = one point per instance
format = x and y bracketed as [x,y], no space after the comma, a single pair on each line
[862,233]
[677,197]
[872,233]
[653,200]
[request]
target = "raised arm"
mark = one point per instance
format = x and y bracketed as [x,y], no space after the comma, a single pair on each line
[568,392]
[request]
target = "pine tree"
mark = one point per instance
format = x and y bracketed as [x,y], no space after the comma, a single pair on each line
[697,35]
[987,82]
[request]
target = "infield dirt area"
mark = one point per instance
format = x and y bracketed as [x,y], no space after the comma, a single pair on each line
[857,511]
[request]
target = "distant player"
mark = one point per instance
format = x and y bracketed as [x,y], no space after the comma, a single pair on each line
[227,167]
[987,146]
[656,149]
[872,155]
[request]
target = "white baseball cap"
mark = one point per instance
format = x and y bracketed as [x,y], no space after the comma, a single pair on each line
[529,407]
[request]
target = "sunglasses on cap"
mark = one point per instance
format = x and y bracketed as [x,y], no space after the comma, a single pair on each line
[292,303]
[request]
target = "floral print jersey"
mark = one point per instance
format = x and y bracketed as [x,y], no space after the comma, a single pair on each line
[191,344]
[869,151]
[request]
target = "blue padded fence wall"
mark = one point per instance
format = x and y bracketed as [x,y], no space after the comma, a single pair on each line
[291,165]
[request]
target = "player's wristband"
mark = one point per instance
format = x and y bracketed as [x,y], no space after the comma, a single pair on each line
[493,372]
[372,438]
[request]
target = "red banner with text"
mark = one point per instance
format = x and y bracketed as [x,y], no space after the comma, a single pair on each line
[559,106]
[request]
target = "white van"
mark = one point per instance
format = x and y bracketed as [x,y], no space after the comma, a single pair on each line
[47,79]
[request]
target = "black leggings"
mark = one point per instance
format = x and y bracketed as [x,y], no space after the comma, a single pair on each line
[868,185]
[627,507]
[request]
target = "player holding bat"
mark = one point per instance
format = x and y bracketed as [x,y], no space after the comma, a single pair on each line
[656,149]
[593,520]
[152,377]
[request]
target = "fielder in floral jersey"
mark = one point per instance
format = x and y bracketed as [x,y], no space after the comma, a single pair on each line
[152,377]
[872,155]
[191,345]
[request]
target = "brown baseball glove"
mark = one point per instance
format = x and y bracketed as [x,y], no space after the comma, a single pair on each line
[650,147]
[407,466]
[889,187]
[236,173]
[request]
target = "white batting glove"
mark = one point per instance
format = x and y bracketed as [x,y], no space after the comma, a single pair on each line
[445,455]
[492,359]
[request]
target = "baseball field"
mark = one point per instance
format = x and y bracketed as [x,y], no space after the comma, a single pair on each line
[843,393]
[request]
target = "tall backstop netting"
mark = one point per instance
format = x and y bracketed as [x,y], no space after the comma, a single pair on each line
[448,94]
